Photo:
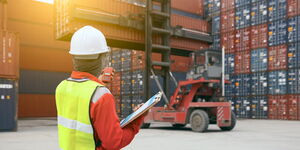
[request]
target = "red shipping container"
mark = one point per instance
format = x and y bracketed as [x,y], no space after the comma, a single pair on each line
[3,15]
[294,107]
[259,36]
[187,44]
[273,107]
[227,20]
[9,55]
[283,108]
[191,6]
[180,63]
[189,23]
[293,8]
[242,39]
[138,59]
[242,62]
[277,57]
[227,5]
[118,104]
[227,41]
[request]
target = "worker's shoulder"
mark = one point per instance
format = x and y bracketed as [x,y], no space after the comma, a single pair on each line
[99,92]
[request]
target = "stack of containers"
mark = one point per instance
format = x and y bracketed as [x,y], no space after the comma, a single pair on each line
[261,41]
[9,74]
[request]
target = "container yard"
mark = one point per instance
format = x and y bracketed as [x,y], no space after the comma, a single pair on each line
[223,73]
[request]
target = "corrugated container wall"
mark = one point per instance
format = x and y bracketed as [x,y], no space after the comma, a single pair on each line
[3,15]
[259,60]
[259,12]
[293,55]
[277,9]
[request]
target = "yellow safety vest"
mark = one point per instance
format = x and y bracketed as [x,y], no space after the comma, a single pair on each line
[75,130]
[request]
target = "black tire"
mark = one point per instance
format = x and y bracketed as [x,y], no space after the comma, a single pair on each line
[233,123]
[145,125]
[178,125]
[199,120]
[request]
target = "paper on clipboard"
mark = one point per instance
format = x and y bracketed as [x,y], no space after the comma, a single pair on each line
[149,104]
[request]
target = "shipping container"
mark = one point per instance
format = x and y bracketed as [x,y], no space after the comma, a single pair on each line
[277,32]
[259,12]
[277,57]
[180,63]
[283,108]
[239,3]
[293,81]
[216,41]
[125,60]
[277,82]
[37,105]
[227,20]
[242,107]
[293,107]
[189,23]
[230,88]
[137,81]
[259,107]
[259,60]
[242,62]
[277,9]
[259,36]
[138,60]
[227,41]
[126,79]
[293,29]
[243,85]
[116,84]
[187,44]
[293,8]
[9,55]
[227,5]
[259,83]
[191,6]
[242,16]
[273,107]
[3,15]
[215,25]
[242,39]
[118,104]
[229,64]
[293,55]
[8,104]
[213,6]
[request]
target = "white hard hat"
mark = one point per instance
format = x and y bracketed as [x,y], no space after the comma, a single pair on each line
[87,43]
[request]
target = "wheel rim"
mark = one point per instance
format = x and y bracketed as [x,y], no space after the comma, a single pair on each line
[197,120]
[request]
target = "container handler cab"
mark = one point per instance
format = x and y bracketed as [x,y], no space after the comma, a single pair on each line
[198,100]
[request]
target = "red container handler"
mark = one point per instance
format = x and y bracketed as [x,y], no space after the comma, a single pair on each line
[242,39]
[227,21]
[227,5]
[277,57]
[9,55]
[293,8]
[294,107]
[273,104]
[227,41]
[242,62]
[259,36]
[191,6]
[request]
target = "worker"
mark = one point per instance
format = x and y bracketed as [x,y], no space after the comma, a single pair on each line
[87,118]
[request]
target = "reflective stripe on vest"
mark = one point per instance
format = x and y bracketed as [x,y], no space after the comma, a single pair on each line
[75,130]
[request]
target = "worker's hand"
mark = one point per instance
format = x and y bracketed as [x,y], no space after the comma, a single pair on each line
[107,74]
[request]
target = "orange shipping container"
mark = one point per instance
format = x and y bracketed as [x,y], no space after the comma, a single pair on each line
[191,6]
[9,55]
[190,23]
[3,15]
[36,105]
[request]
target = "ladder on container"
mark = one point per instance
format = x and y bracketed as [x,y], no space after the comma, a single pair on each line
[157,22]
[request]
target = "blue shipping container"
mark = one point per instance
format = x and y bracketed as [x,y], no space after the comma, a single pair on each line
[242,16]
[259,83]
[242,107]
[215,25]
[277,82]
[216,41]
[294,55]
[259,12]
[294,29]
[277,32]
[293,81]
[213,6]
[239,3]
[277,9]
[259,60]
[8,105]
[243,85]
[229,63]
[230,88]
[259,107]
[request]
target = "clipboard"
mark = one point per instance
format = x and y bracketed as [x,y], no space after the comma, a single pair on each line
[149,104]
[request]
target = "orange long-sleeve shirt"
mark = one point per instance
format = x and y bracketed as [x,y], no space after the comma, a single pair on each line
[106,122]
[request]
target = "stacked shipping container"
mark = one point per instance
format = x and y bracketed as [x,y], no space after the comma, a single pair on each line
[9,73]
[261,41]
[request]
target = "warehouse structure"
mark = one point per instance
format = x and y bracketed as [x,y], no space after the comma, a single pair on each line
[260,40]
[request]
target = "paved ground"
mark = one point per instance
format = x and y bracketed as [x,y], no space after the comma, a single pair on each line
[248,135]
